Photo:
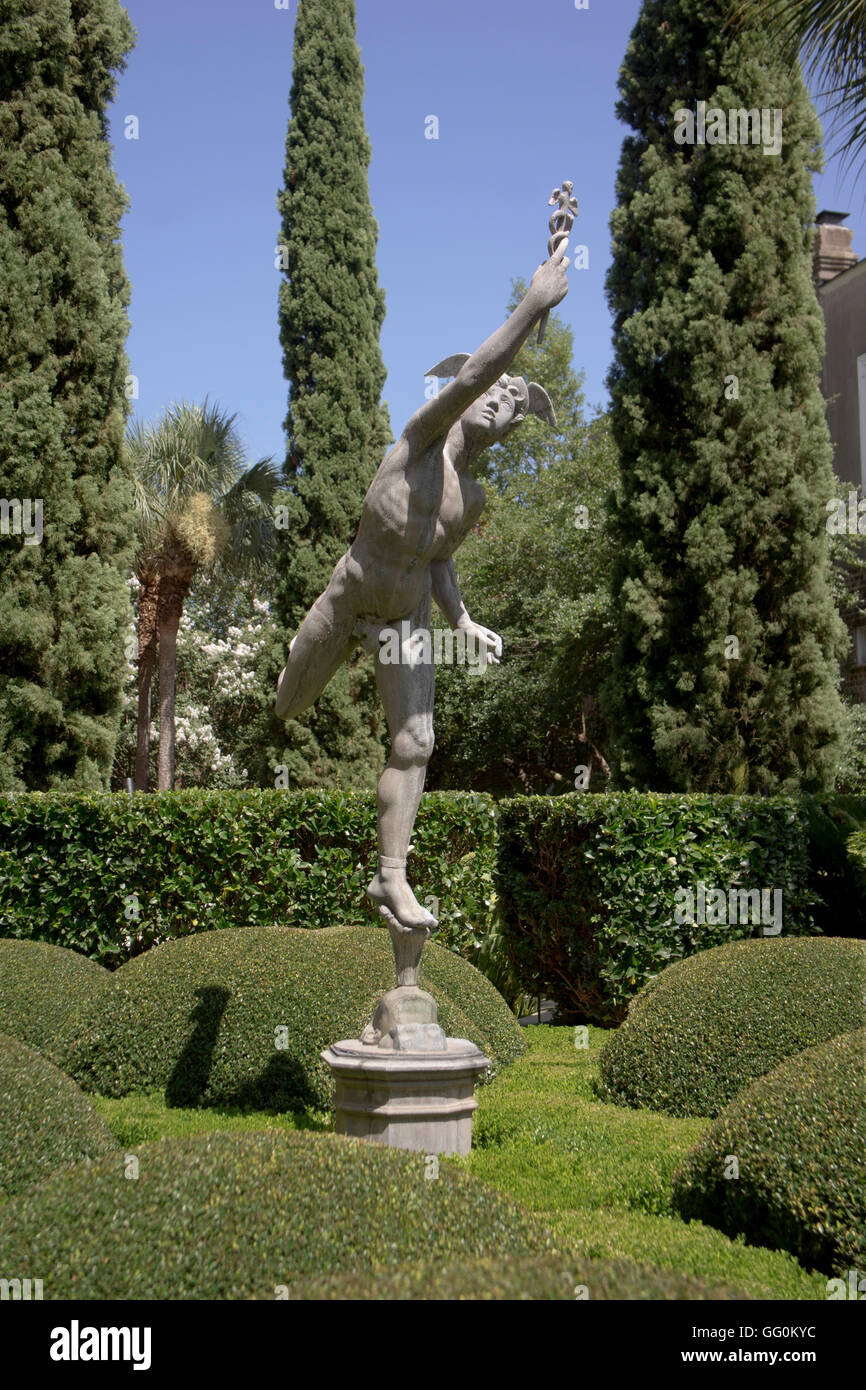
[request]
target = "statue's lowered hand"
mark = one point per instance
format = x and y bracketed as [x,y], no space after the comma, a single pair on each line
[484,646]
[549,284]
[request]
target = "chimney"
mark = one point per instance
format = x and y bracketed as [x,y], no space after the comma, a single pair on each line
[832,253]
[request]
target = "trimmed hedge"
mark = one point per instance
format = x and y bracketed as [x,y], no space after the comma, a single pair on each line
[588,885]
[710,1025]
[199,1017]
[549,1277]
[799,1137]
[585,886]
[39,985]
[110,874]
[45,1120]
[228,1216]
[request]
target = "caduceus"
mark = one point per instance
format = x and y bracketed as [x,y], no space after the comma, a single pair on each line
[564,205]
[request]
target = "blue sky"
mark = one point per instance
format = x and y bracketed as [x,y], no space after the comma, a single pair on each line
[524,97]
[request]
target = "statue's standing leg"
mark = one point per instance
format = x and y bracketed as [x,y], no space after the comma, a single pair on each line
[407,693]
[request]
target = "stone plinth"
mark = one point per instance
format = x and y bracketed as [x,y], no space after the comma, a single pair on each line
[405,1098]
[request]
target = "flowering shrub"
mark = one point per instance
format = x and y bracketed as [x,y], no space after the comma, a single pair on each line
[219,692]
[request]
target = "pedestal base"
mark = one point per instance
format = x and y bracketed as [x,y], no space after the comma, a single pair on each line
[405,1099]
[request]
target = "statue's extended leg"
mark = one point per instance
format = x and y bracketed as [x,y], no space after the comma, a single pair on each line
[407,693]
[325,639]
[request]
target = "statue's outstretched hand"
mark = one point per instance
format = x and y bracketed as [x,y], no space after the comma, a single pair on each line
[550,281]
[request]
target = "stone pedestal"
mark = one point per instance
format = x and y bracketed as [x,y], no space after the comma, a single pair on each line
[403,1083]
[416,1093]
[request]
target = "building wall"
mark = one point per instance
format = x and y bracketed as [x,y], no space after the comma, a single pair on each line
[843,384]
[843,301]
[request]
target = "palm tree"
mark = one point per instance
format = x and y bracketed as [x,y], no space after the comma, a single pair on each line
[831,36]
[198,507]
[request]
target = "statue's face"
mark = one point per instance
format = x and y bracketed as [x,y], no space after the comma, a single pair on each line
[491,415]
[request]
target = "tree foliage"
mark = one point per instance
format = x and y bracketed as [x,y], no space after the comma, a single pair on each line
[331,311]
[830,35]
[199,510]
[536,570]
[726,667]
[63,325]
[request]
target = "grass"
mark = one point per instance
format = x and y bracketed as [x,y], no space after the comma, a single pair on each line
[599,1174]
[138,1119]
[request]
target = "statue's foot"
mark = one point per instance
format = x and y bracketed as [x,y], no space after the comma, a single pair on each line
[395,900]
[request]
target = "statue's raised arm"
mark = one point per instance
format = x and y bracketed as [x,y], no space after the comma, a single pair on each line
[478,372]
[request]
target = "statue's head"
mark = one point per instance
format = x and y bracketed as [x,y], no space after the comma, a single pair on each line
[500,409]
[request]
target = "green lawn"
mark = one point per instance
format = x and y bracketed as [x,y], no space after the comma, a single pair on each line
[600,1175]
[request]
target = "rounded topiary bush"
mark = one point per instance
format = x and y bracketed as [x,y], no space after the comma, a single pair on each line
[46,1122]
[709,1025]
[239,1017]
[515,1277]
[798,1138]
[39,985]
[248,1215]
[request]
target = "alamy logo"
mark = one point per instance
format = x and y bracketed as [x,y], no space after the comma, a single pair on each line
[20,1289]
[442,647]
[852,1286]
[76,1343]
[19,518]
[739,906]
[713,126]
[851,522]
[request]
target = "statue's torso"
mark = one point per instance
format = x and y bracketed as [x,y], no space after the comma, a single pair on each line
[416,510]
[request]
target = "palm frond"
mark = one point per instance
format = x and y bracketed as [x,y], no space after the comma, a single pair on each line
[195,450]
[829,38]
[248,508]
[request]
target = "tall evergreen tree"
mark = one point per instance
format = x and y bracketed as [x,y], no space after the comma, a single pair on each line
[331,311]
[64,602]
[726,668]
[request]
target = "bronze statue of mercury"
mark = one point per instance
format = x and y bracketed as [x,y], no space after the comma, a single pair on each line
[421,504]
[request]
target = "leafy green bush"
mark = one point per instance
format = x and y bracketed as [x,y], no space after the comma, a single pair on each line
[856,845]
[239,1017]
[586,1168]
[39,984]
[838,885]
[851,774]
[45,1120]
[110,874]
[710,1025]
[228,1216]
[799,1139]
[571,897]
[588,885]
[517,1278]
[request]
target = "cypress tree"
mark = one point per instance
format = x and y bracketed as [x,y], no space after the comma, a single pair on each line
[64,602]
[726,669]
[331,311]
